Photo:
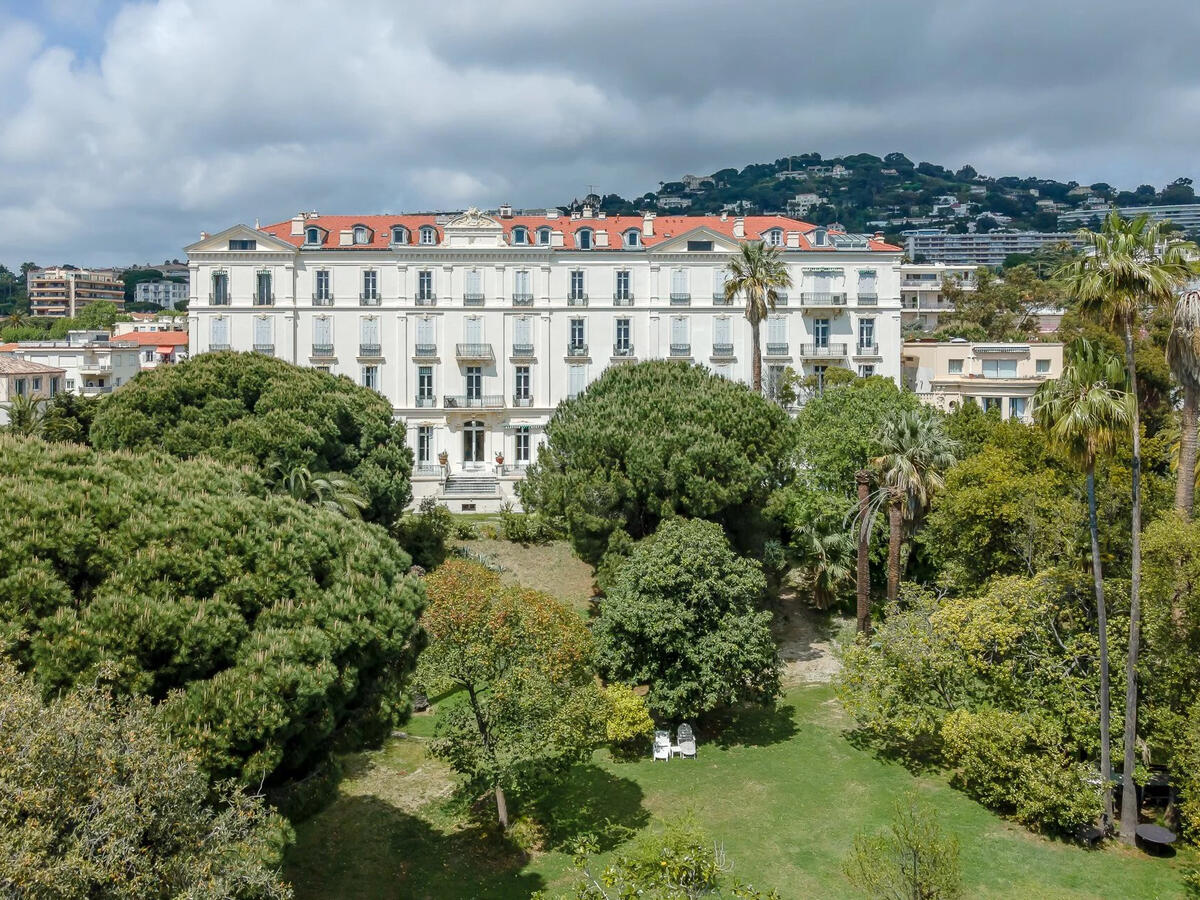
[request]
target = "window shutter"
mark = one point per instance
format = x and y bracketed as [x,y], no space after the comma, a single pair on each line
[776,330]
[521,332]
[425,334]
[721,332]
[263,329]
[679,330]
[369,330]
[719,281]
[475,331]
[474,282]
[322,331]
[220,331]
[577,379]
[679,281]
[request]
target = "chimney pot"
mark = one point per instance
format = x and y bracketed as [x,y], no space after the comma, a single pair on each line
[739,227]
[648,224]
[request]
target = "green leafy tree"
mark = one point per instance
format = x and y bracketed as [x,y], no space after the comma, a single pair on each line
[1129,265]
[914,450]
[98,800]
[628,727]
[252,409]
[683,617]
[819,540]
[528,707]
[1083,410]
[998,309]
[67,417]
[656,439]
[758,273]
[271,631]
[911,860]
[1183,354]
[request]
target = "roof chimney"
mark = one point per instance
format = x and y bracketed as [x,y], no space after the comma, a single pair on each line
[878,236]
[739,227]
[506,211]
[648,224]
[204,235]
[297,224]
[587,211]
[724,216]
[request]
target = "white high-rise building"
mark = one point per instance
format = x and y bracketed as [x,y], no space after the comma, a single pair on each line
[476,326]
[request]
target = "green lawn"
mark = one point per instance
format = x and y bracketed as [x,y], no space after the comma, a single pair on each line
[784,791]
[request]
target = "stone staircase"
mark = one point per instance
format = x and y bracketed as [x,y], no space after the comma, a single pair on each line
[471,485]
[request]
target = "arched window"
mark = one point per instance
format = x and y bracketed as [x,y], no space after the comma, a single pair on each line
[633,239]
[543,235]
[818,237]
[428,234]
[312,236]
[362,234]
[583,239]
[520,235]
[774,237]
[399,234]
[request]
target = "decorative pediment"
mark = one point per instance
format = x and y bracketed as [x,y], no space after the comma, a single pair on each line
[703,236]
[473,229]
[220,242]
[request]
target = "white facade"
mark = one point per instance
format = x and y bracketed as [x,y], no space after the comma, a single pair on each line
[161,293]
[476,327]
[921,291]
[91,363]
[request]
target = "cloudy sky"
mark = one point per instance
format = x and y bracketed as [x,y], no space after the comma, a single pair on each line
[127,128]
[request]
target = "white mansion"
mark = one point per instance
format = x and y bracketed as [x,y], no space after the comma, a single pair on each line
[475,326]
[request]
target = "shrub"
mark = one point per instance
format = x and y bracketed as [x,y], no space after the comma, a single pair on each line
[911,859]
[465,530]
[628,727]
[423,533]
[529,528]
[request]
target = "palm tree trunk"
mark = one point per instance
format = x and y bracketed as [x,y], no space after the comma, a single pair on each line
[1102,626]
[863,479]
[755,357]
[502,807]
[1185,485]
[894,522]
[1129,803]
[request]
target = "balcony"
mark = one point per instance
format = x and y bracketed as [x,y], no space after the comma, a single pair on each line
[94,389]
[681,298]
[577,350]
[265,348]
[322,349]
[522,299]
[868,299]
[474,352]
[99,367]
[781,298]
[822,351]
[720,300]
[522,402]
[622,298]
[681,350]
[514,468]
[722,351]
[823,298]
[216,347]
[427,402]
[777,349]
[322,299]
[428,469]
[472,299]
[215,300]
[368,299]
[426,298]
[621,351]
[372,350]
[866,350]
[264,299]
[576,298]
[425,350]
[522,351]
[466,401]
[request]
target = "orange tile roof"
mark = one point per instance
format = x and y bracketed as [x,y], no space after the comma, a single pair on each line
[155,338]
[665,228]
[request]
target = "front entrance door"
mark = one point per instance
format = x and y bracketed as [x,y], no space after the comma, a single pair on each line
[473,445]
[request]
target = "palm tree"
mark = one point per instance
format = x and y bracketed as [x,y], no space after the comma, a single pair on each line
[1083,411]
[25,415]
[1129,265]
[332,492]
[1183,353]
[824,554]
[914,451]
[759,273]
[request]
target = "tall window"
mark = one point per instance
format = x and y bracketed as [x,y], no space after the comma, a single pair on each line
[520,235]
[623,290]
[322,335]
[218,335]
[866,333]
[999,368]
[774,379]
[866,370]
[583,239]
[424,444]
[370,377]
[262,291]
[220,288]
[473,328]
[720,275]
[578,336]
[368,336]
[1016,407]
[867,283]
[777,334]
[473,284]
[576,379]
[523,284]
[425,285]
[323,292]
[577,285]
[621,343]
[521,383]
[425,385]
[370,289]
[264,330]
[679,284]
[426,337]
[820,332]
[522,335]
[522,442]
[679,336]
[474,382]
[819,371]
[721,335]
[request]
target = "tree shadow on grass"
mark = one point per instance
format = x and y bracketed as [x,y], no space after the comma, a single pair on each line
[591,802]
[366,849]
[918,759]
[753,726]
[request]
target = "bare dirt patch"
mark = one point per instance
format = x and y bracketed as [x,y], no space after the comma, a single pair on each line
[552,568]
[806,640]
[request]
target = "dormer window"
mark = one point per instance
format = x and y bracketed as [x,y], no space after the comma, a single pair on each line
[399,234]
[583,239]
[818,237]
[312,237]
[362,234]
[633,239]
[774,237]
[428,234]
[543,236]
[520,235]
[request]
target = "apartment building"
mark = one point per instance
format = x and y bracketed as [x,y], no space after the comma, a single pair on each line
[21,378]
[475,326]
[157,348]
[1002,376]
[989,249]
[1185,215]
[163,293]
[63,292]
[150,322]
[921,298]
[91,362]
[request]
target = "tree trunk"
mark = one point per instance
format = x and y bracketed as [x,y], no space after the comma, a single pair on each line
[894,522]
[502,807]
[1129,801]
[1102,626]
[755,357]
[863,479]
[1185,485]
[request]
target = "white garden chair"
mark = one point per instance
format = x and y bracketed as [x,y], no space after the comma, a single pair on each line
[662,745]
[686,746]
